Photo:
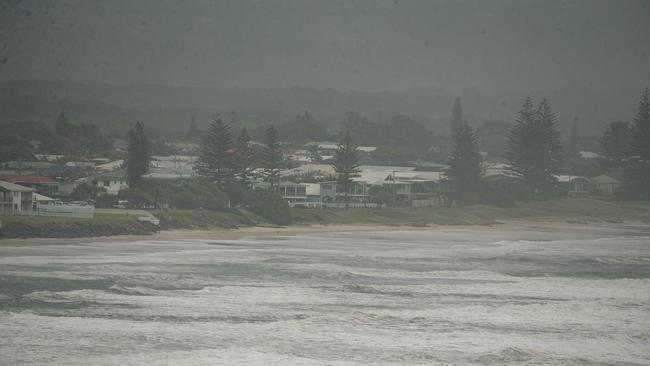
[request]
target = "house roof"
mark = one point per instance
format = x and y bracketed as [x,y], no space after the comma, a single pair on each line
[26,165]
[28,179]
[11,187]
[116,174]
[605,179]
[40,198]
[569,178]
[110,165]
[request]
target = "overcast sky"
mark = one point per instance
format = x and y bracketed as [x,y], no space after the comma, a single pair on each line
[358,45]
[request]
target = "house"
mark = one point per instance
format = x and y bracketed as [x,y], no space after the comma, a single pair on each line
[573,185]
[43,185]
[419,188]
[39,199]
[15,199]
[112,182]
[605,185]
[110,166]
[333,192]
[328,148]
[172,167]
[313,195]
[294,193]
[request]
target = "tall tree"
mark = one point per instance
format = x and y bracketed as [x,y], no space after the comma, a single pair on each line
[465,169]
[637,174]
[139,155]
[272,155]
[243,158]
[456,117]
[346,165]
[615,142]
[216,155]
[533,148]
[62,126]
[574,139]
[192,130]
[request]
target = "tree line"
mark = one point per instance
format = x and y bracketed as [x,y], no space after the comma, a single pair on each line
[534,153]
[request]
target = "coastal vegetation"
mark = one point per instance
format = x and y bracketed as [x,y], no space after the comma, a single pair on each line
[561,210]
[571,211]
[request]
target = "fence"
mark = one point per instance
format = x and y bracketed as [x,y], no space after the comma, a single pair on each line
[350,205]
[78,211]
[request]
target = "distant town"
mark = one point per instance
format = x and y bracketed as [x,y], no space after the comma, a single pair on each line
[67,168]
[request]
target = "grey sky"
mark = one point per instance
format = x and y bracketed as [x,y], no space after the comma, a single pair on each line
[361,45]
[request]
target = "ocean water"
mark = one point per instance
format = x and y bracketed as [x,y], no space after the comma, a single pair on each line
[571,295]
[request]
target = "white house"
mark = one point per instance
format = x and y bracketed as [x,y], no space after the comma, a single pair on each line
[112,182]
[15,199]
[294,193]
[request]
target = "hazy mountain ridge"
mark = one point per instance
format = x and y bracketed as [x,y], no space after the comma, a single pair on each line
[171,107]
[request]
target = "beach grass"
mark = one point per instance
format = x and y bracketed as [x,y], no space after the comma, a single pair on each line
[563,210]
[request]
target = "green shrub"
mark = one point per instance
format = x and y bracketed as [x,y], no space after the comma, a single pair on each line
[188,195]
[504,192]
[136,197]
[269,205]
[106,201]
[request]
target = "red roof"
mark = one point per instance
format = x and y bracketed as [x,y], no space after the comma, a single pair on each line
[27,179]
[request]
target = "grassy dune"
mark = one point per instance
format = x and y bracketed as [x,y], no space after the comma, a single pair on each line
[187,219]
[108,224]
[565,210]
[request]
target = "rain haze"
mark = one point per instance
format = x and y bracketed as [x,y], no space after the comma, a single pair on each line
[358,182]
[344,45]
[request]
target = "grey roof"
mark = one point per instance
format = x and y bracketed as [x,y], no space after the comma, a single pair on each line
[15,187]
[113,174]
[605,179]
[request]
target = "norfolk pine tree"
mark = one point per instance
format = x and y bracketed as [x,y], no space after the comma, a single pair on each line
[465,169]
[243,158]
[637,173]
[615,142]
[216,159]
[346,164]
[533,148]
[272,155]
[456,121]
[139,156]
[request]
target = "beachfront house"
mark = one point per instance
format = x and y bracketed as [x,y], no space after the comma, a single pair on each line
[605,185]
[43,185]
[332,193]
[15,199]
[112,182]
[294,193]
[573,185]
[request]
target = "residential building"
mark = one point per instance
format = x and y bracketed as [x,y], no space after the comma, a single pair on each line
[573,185]
[313,195]
[333,192]
[15,199]
[605,185]
[294,193]
[421,187]
[43,185]
[112,182]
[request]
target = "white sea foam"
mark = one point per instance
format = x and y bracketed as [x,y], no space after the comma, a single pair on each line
[434,297]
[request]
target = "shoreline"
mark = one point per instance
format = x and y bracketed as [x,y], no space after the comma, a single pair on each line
[294,230]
